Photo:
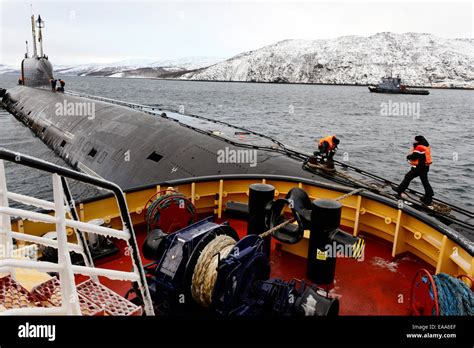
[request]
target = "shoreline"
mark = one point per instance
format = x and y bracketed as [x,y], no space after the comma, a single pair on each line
[265,82]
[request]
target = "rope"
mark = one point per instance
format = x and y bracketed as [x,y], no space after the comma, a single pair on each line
[454,296]
[276,228]
[205,272]
[356,191]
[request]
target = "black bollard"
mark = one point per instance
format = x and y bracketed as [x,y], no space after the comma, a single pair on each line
[325,218]
[259,196]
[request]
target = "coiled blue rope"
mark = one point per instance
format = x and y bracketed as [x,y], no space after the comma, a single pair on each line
[454,296]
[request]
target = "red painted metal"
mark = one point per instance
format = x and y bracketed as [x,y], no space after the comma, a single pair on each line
[49,293]
[109,301]
[424,299]
[172,216]
[377,285]
[13,295]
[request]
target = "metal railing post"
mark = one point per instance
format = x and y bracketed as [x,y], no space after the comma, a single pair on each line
[69,298]
[6,240]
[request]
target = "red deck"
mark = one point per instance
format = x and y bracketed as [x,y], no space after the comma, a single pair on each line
[377,285]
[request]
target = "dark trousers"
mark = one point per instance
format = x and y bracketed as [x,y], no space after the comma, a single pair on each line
[325,153]
[422,172]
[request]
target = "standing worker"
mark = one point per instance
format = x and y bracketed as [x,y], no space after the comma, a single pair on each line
[327,149]
[53,84]
[420,160]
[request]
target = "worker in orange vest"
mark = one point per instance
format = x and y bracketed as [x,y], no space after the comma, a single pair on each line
[420,160]
[327,148]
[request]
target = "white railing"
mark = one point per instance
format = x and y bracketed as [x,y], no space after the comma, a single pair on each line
[9,262]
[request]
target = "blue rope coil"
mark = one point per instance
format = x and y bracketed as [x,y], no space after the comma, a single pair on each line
[454,296]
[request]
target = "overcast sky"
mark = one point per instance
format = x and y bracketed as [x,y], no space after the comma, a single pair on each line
[97,32]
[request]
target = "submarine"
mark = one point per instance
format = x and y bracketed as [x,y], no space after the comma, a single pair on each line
[131,147]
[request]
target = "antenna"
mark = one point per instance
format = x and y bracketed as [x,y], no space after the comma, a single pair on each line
[33,33]
[40,25]
[26,54]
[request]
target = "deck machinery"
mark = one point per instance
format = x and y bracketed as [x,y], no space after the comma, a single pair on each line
[239,281]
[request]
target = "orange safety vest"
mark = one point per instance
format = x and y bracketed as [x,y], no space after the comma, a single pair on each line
[328,139]
[422,149]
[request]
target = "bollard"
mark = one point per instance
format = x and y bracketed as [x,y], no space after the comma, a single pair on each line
[259,196]
[325,218]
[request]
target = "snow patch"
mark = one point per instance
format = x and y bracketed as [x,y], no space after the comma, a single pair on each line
[380,262]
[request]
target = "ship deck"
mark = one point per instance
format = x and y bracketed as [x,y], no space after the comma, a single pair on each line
[378,285]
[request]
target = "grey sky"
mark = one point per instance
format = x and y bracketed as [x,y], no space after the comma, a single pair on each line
[95,32]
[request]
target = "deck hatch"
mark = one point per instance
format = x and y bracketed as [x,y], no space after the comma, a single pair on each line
[92,153]
[155,156]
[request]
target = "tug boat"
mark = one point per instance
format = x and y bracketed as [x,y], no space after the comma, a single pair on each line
[394,85]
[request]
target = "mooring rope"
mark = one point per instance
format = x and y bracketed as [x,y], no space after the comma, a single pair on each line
[205,272]
[454,296]
[352,193]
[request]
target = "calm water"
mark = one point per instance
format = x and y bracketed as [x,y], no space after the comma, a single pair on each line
[297,115]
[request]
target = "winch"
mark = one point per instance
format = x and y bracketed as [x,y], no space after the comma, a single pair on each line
[206,267]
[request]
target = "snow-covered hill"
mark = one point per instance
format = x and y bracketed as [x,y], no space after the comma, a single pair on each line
[138,67]
[420,59]
[5,69]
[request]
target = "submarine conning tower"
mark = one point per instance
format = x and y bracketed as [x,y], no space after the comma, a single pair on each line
[36,70]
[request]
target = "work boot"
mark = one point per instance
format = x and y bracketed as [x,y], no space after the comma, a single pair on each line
[426,201]
[397,194]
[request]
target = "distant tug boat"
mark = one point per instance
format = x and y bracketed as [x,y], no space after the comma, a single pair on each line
[394,85]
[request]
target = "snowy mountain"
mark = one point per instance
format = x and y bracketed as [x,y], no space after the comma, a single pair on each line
[420,59]
[5,69]
[138,67]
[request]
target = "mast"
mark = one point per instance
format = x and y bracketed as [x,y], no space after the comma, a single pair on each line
[33,33]
[40,25]
[27,53]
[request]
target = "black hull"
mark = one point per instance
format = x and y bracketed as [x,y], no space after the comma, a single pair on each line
[394,91]
[132,148]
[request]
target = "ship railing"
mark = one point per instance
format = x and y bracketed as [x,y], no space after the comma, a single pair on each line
[63,204]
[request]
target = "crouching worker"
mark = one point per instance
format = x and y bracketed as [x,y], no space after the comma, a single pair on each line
[327,148]
[420,160]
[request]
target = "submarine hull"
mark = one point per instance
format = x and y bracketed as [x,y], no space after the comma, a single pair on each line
[36,72]
[133,148]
